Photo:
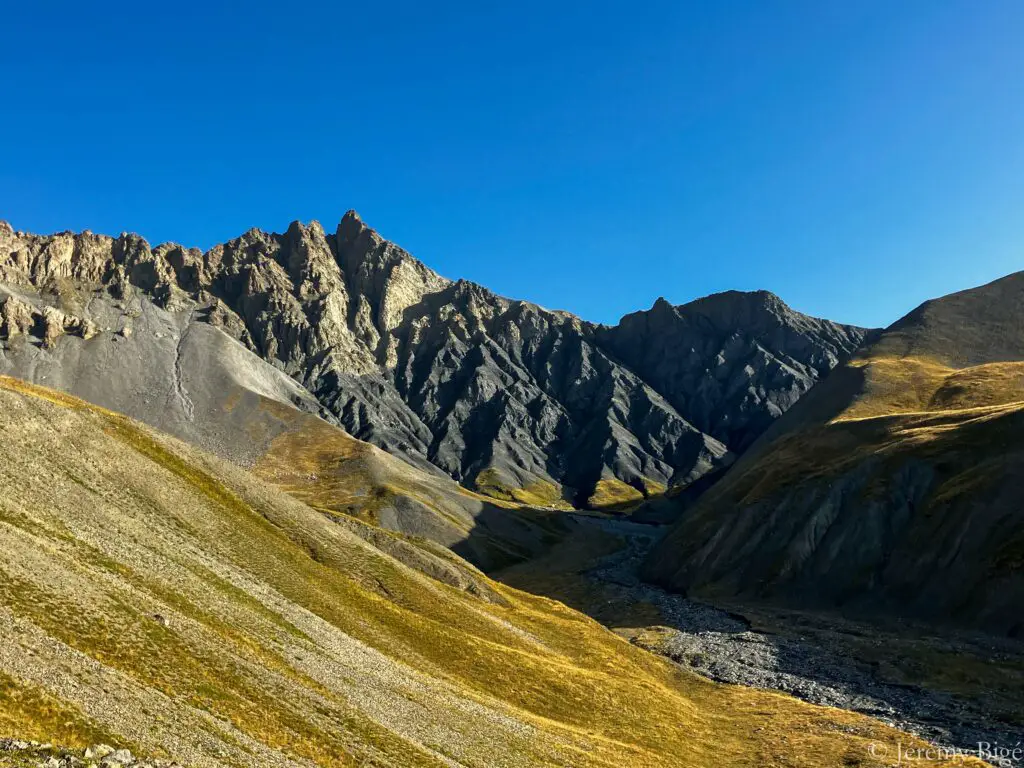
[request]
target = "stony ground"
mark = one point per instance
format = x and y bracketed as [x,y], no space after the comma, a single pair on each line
[15,752]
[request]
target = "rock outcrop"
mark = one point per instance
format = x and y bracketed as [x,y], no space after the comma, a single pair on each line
[19,318]
[18,752]
[501,395]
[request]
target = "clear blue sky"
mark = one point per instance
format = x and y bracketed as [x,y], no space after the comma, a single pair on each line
[854,157]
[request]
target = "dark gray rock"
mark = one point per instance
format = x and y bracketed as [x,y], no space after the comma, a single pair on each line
[732,362]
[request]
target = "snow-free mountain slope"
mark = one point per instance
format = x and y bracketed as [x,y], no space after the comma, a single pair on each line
[892,488]
[157,598]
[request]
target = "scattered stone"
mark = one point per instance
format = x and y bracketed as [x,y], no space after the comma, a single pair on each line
[122,756]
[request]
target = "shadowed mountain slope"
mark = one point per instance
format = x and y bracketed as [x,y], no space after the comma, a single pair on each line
[504,396]
[158,598]
[732,362]
[892,487]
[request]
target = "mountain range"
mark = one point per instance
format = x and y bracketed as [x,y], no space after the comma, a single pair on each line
[300,500]
[503,396]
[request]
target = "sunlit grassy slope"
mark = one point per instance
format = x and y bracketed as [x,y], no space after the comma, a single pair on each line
[894,485]
[492,484]
[331,471]
[155,597]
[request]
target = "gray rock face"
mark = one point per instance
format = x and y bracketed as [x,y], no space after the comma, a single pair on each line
[732,362]
[450,376]
[507,385]
[167,368]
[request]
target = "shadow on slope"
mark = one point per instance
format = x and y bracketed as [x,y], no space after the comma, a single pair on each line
[329,470]
[172,370]
[954,689]
[891,490]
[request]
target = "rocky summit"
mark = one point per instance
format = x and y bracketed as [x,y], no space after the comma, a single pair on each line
[506,397]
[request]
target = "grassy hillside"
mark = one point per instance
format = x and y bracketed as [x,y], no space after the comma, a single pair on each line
[157,598]
[893,487]
[327,469]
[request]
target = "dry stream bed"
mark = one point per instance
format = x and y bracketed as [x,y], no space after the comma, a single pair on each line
[957,691]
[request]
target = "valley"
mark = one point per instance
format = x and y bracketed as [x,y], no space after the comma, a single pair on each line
[954,689]
[300,500]
[159,599]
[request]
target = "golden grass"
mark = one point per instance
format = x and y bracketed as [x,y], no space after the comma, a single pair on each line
[325,468]
[43,393]
[328,469]
[559,574]
[537,494]
[617,497]
[338,475]
[905,385]
[973,439]
[33,714]
[588,695]
[981,386]
[613,495]
[907,407]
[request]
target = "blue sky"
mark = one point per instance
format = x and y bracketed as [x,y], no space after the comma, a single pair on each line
[854,157]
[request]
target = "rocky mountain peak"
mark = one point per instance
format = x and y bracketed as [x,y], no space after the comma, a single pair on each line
[734,308]
[452,376]
[734,361]
[351,215]
[662,306]
[353,236]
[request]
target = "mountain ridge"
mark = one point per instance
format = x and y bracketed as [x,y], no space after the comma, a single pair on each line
[500,394]
[888,489]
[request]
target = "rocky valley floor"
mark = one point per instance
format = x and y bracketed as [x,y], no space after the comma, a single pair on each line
[955,691]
